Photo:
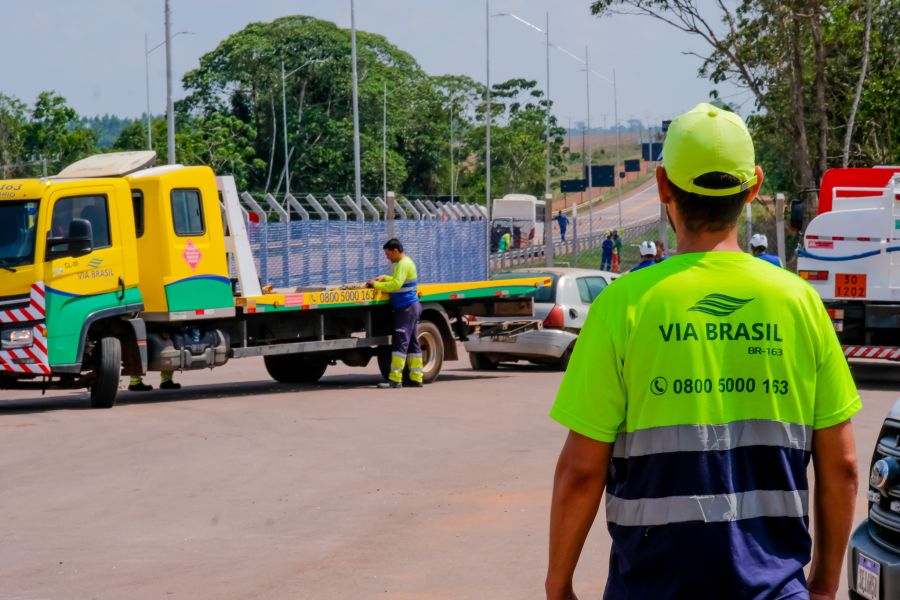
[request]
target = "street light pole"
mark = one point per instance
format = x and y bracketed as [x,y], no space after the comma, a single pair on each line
[147,74]
[170,107]
[452,166]
[618,133]
[384,141]
[547,174]
[590,150]
[356,159]
[287,174]
[487,191]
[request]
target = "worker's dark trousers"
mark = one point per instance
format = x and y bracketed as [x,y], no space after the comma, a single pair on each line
[606,260]
[405,344]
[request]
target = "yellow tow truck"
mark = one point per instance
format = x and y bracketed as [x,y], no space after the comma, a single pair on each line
[116,267]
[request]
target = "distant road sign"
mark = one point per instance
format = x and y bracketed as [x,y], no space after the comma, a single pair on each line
[602,175]
[651,154]
[633,166]
[568,186]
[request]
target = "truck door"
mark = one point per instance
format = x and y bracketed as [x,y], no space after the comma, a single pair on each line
[80,285]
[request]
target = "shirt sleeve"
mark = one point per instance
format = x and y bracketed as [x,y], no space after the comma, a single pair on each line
[836,396]
[591,397]
[394,282]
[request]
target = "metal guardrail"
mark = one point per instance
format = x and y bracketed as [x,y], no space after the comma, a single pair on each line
[533,255]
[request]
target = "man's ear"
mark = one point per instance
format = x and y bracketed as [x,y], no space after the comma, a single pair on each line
[755,189]
[662,184]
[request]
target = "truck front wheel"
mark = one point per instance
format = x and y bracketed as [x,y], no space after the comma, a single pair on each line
[107,368]
[295,368]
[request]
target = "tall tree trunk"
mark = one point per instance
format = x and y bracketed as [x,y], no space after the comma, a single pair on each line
[799,106]
[851,119]
[821,105]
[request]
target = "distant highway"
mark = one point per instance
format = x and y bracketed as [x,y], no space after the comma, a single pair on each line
[638,206]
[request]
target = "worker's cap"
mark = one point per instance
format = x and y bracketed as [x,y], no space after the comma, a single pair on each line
[759,240]
[648,248]
[708,139]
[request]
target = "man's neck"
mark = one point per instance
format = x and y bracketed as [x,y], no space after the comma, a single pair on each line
[706,241]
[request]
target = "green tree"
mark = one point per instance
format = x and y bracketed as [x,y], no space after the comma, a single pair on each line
[13,124]
[55,131]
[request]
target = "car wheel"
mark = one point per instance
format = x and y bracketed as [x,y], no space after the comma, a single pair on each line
[482,362]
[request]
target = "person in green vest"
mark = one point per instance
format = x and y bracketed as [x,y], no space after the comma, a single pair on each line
[403,288]
[166,382]
[504,243]
[698,393]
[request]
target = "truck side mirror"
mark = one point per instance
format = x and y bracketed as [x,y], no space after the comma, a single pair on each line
[77,243]
[797,214]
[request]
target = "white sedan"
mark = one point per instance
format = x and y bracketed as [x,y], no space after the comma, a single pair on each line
[561,309]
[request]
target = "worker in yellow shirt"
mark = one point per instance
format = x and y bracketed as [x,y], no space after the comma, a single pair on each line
[403,288]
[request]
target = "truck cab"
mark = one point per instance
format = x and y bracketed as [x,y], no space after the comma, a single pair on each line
[92,254]
[851,255]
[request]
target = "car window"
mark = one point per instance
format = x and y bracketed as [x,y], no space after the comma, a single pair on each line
[187,213]
[90,208]
[590,287]
[137,203]
[546,294]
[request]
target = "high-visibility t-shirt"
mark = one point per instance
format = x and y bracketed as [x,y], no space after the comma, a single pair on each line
[402,285]
[709,374]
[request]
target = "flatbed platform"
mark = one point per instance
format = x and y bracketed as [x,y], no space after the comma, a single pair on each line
[289,300]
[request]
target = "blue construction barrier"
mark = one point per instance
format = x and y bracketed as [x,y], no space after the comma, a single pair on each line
[316,253]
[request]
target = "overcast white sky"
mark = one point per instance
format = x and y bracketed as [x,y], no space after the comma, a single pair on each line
[92,51]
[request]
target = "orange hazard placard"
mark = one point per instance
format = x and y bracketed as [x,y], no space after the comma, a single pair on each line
[851,285]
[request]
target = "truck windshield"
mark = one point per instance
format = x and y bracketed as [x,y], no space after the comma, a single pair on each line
[18,222]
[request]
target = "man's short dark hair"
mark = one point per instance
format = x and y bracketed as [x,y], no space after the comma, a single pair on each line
[710,213]
[393,244]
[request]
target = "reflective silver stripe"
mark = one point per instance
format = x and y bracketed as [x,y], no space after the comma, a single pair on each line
[398,355]
[414,355]
[419,370]
[703,438]
[722,508]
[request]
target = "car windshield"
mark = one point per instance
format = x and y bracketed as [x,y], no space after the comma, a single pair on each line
[546,294]
[18,221]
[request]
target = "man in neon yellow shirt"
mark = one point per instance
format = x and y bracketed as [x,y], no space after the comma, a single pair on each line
[696,396]
[402,286]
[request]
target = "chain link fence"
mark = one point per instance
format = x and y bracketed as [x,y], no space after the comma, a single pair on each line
[310,242]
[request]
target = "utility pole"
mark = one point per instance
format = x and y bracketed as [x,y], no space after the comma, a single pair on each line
[170,106]
[147,74]
[356,160]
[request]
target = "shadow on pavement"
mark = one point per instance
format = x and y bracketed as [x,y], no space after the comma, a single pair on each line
[79,400]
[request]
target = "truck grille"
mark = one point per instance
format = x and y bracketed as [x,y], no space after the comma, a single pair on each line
[884,523]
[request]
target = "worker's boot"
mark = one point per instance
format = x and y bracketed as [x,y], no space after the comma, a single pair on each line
[169,385]
[137,385]
[415,384]
[389,385]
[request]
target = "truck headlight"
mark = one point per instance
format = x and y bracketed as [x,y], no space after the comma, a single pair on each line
[883,473]
[16,338]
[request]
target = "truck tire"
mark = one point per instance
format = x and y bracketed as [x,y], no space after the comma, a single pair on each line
[295,368]
[432,353]
[108,367]
[482,362]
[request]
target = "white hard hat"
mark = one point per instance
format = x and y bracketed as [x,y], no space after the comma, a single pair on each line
[759,240]
[648,248]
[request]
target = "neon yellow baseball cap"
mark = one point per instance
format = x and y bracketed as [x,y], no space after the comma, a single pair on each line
[708,139]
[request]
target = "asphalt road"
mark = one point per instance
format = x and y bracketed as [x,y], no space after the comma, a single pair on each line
[236,488]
